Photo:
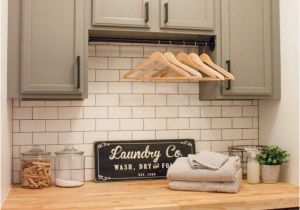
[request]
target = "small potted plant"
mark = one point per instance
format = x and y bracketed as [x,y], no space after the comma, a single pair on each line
[270,159]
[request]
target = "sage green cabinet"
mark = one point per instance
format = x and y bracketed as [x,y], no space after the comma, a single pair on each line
[250,49]
[125,13]
[165,16]
[189,14]
[53,49]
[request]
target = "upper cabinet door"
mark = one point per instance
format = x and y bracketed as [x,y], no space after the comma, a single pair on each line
[124,13]
[247,46]
[188,14]
[53,50]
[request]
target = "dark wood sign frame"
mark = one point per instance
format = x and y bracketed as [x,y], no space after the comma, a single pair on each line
[141,159]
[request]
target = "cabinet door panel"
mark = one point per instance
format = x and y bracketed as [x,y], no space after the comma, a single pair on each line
[52,39]
[189,14]
[130,13]
[246,37]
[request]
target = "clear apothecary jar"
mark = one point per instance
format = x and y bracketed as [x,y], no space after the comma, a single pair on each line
[36,168]
[69,167]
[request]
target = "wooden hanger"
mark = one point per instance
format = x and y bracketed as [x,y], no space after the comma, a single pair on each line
[199,65]
[207,61]
[171,57]
[155,59]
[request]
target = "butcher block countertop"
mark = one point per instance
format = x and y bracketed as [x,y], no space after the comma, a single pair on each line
[150,195]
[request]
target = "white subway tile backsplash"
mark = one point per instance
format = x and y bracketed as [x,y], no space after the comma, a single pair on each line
[210,111]
[22,138]
[193,111]
[121,109]
[107,75]
[190,134]
[119,112]
[91,137]
[107,124]
[166,112]
[90,101]
[83,125]
[58,103]
[155,124]
[57,125]
[242,122]
[250,133]
[168,134]
[70,112]
[32,103]
[131,124]
[200,123]
[132,51]
[221,146]
[119,135]
[32,125]
[232,111]
[107,100]
[194,101]
[189,88]
[221,123]
[131,100]
[143,87]
[119,63]
[250,111]
[232,134]
[45,138]
[97,63]
[178,123]
[203,145]
[95,112]
[155,100]
[22,113]
[16,126]
[167,88]
[45,113]
[107,51]
[143,135]
[211,135]
[119,87]
[97,87]
[180,100]
[70,137]
[143,112]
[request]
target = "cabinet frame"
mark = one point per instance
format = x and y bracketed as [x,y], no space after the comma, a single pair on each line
[80,37]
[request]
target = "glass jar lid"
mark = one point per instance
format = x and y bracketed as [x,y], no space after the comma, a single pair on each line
[35,151]
[69,150]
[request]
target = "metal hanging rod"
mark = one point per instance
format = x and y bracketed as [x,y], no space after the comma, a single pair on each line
[209,42]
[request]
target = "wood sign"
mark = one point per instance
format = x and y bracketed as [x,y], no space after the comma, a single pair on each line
[146,159]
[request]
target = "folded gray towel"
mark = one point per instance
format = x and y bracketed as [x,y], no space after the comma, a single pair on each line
[182,171]
[207,159]
[228,187]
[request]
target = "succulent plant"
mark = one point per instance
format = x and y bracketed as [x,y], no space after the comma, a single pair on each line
[272,155]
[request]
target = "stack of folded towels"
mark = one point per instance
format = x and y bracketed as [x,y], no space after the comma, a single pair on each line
[206,171]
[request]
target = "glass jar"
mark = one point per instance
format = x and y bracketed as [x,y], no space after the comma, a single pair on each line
[69,167]
[36,168]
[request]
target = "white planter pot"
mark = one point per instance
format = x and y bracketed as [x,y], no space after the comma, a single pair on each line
[269,173]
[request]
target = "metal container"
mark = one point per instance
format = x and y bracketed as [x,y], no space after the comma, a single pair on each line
[36,168]
[69,167]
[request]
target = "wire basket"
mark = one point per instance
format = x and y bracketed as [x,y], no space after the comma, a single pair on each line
[239,150]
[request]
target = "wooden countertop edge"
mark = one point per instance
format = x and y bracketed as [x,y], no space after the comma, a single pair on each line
[156,195]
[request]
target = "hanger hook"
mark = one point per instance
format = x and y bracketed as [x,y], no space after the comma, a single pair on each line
[158,42]
[170,42]
[183,43]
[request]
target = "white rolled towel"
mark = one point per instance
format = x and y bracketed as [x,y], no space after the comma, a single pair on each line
[227,187]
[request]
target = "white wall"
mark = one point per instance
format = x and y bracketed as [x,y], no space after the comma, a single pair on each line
[5,114]
[279,120]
